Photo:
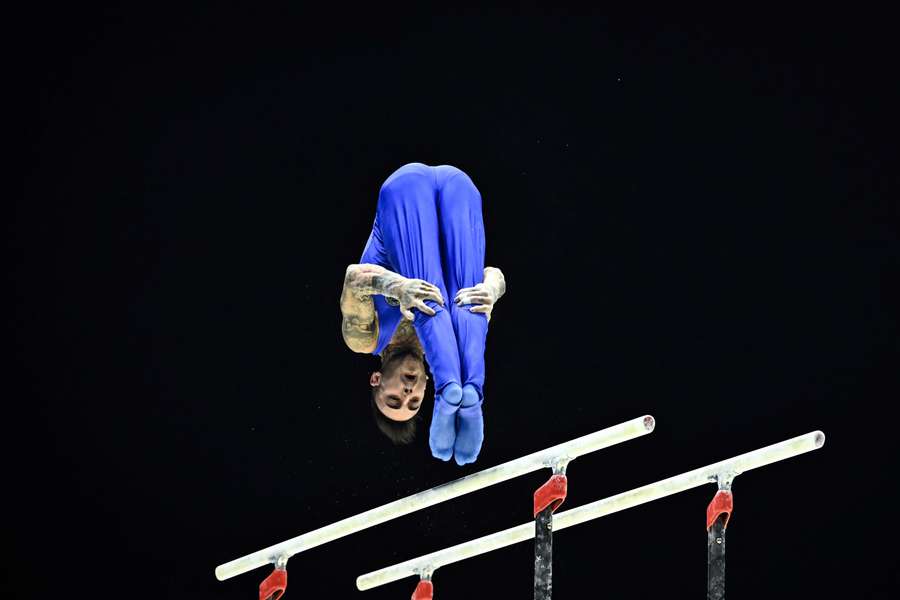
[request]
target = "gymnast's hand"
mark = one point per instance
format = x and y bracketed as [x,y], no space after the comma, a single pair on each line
[413,293]
[483,295]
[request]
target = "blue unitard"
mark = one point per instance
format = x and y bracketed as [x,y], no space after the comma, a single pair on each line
[428,226]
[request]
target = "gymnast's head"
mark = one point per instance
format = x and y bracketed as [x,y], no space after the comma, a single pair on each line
[398,390]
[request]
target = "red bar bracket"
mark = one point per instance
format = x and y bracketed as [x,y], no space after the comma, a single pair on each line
[273,586]
[553,492]
[722,503]
[424,591]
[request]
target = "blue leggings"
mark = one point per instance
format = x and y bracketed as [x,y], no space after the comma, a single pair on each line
[428,226]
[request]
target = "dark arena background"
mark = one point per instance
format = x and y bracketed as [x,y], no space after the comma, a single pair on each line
[697,217]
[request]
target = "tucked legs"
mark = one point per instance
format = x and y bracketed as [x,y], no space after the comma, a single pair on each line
[408,222]
[462,244]
[430,227]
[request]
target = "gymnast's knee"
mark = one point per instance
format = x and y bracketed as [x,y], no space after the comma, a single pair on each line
[407,177]
[406,193]
[460,187]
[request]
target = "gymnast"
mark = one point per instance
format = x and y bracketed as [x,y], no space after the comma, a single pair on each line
[426,247]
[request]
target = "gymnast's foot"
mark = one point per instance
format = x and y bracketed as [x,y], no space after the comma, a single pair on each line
[442,433]
[469,427]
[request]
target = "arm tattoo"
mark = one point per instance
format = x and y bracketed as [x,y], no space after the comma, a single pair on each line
[359,326]
[360,335]
[365,280]
[360,323]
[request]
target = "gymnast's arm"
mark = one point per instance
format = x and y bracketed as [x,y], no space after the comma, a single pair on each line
[484,295]
[360,323]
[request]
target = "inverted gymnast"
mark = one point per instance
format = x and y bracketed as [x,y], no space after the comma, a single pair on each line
[426,246]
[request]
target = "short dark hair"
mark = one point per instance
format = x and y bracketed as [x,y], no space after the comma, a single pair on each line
[399,432]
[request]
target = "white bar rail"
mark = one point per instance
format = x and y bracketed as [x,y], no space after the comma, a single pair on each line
[727,469]
[556,455]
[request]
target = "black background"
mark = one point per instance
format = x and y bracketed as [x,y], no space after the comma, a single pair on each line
[696,216]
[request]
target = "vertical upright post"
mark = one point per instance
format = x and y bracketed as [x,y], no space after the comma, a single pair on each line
[715,560]
[547,499]
[717,515]
[543,554]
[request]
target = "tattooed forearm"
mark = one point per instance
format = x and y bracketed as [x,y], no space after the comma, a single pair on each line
[365,280]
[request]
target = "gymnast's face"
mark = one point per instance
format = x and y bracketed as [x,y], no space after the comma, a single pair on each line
[400,386]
